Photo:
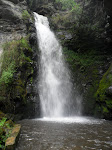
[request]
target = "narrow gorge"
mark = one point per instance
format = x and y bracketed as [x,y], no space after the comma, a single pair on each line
[55,74]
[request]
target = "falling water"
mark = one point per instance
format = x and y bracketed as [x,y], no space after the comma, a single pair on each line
[55,88]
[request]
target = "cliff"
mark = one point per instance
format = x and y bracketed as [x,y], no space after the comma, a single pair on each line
[84,31]
[18,52]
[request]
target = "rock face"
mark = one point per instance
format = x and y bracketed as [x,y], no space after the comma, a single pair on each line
[107,5]
[15,25]
[12,140]
[43,7]
[12,26]
[104,95]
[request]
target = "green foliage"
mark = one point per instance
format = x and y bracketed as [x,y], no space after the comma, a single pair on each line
[25,15]
[2,121]
[7,75]
[5,130]
[105,82]
[14,58]
[103,99]
[86,59]
[105,110]
[62,20]
[69,4]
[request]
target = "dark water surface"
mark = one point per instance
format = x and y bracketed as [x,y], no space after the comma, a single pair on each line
[65,134]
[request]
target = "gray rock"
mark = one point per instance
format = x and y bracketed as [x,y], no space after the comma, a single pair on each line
[109,90]
[14,1]
[9,11]
[11,23]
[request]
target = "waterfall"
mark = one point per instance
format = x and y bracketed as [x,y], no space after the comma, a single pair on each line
[55,87]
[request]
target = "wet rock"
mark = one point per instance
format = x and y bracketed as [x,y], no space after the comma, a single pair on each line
[12,140]
[42,7]
[14,1]
[2,115]
[11,23]
[109,91]
[33,39]
[14,27]
[9,11]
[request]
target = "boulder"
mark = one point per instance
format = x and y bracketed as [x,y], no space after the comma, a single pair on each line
[9,11]
[12,140]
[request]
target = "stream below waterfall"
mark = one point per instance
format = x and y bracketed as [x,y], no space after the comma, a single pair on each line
[65,134]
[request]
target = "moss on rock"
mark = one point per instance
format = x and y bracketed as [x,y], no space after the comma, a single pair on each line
[16,71]
[5,129]
[104,98]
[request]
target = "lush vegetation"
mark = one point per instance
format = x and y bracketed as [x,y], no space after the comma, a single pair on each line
[25,15]
[69,5]
[83,59]
[103,95]
[5,129]
[85,73]
[15,58]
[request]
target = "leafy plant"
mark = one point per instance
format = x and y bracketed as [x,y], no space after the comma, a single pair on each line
[5,130]
[2,121]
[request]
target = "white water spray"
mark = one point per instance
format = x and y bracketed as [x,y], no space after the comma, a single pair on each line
[55,88]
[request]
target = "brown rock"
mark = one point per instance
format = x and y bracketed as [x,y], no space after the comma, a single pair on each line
[12,140]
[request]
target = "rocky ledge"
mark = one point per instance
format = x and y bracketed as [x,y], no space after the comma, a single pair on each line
[11,23]
[12,140]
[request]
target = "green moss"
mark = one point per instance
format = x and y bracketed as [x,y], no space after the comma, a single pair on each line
[13,56]
[7,75]
[109,103]
[21,92]
[105,82]
[16,57]
[83,59]
[25,15]
[28,59]
[31,80]
[104,100]
[85,70]
[25,44]
[105,110]
[71,5]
